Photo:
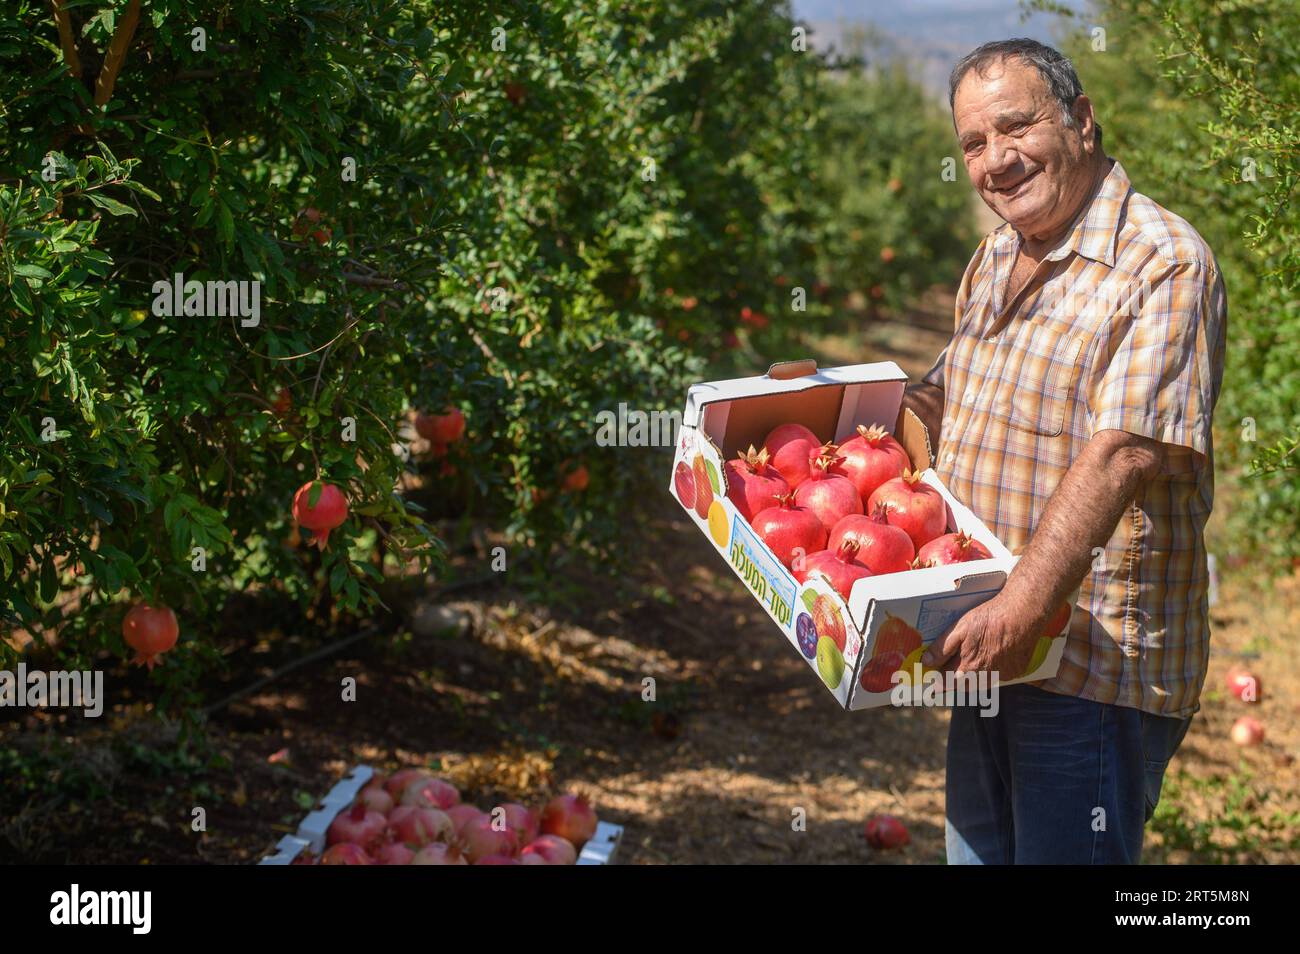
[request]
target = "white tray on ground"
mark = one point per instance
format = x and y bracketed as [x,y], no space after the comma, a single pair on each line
[311,833]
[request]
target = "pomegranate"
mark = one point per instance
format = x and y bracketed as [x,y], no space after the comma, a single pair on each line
[346,853]
[828,622]
[523,820]
[375,798]
[552,849]
[436,853]
[752,482]
[870,459]
[575,478]
[793,448]
[828,495]
[787,528]
[1247,731]
[878,673]
[419,826]
[499,860]
[481,838]
[446,428]
[913,505]
[150,631]
[462,814]
[1244,684]
[703,486]
[570,817]
[953,548]
[882,547]
[402,778]
[358,825]
[886,831]
[839,568]
[898,636]
[430,793]
[330,510]
[394,853]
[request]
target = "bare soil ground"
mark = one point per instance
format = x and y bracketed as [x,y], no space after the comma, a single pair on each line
[741,741]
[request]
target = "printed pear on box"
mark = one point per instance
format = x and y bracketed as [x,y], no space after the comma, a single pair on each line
[816,488]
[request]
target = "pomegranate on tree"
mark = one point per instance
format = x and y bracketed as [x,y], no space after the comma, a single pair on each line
[913,505]
[327,513]
[752,482]
[571,817]
[788,528]
[150,631]
[882,547]
[793,448]
[828,495]
[839,568]
[441,429]
[359,825]
[953,548]
[575,478]
[871,458]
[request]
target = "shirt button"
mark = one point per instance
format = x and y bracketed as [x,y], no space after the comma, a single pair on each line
[950,457]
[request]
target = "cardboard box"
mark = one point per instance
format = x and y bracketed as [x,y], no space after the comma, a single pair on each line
[893,613]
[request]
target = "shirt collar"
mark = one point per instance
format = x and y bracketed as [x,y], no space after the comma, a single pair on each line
[1096,229]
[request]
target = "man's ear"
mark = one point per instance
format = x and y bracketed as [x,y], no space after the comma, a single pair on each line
[1085,122]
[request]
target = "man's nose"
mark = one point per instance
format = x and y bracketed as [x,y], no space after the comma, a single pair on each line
[999,156]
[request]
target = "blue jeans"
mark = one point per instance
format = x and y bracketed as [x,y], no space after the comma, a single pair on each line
[1054,779]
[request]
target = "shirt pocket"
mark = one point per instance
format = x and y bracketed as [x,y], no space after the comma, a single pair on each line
[1038,380]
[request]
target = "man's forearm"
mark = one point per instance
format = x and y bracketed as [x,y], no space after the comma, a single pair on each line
[1080,516]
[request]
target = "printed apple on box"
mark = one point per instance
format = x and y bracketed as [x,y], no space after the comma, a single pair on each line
[855,646]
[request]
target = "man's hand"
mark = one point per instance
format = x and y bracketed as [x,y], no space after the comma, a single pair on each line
[995,636]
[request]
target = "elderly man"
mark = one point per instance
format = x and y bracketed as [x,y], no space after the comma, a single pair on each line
[1072,408]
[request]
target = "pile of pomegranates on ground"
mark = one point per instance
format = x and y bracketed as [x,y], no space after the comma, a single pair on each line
[843,512]
[414,818]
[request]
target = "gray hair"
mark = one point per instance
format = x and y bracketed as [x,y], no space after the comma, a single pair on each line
[1053,66]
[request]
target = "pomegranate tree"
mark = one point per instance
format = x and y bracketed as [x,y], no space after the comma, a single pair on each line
[839,568]
[752,482]
[150,631]
[828,495]
[320,508]
[788,529]
[882,547]
[913,505]
[793,448]
[870,458]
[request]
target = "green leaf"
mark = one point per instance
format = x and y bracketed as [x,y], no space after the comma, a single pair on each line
[111,206]
[49,580]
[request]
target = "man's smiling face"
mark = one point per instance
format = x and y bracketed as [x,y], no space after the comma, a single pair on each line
[1027,165]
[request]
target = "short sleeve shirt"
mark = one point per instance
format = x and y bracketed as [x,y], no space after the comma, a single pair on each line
[1126,332]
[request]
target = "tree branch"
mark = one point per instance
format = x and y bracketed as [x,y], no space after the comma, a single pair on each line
[116,56]
[63,20]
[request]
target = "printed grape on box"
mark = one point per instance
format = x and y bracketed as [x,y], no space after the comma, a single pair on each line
[856,646]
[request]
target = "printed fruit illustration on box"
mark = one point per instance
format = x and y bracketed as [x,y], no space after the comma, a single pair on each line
[896,635]
[830,662]
[705,483]
[806,632]
[718,525]
[684,485]
[878,673]
[828,621]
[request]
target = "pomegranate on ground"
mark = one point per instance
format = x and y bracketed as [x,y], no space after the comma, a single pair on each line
[882,547]
[952,548]
[1244,684]
[913,505]
[789,529]
[839,568]
[752,483]
[870,458]
[886,832]
[828,495]
[792,448]
[150,631]
[1247,731]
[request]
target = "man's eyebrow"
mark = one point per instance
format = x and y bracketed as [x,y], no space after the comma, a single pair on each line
[1002,120]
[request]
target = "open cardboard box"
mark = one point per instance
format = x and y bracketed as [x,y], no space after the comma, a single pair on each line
[851,646]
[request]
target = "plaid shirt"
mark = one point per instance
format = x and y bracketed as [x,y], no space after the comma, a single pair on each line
[1126,333]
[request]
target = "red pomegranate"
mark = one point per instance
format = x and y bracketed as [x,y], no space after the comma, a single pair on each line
[575,478]
[481,838]
[870,459]
[150,631]
[1244,684]
[787,528]
[752,482]
[913,505]
[522,819]
[429,793]
[882,548]
[553,849]
[394,853]
[437,853]
[359,825]
[828,495]
[571,817]
[839,568]
[793,448]
[374,797]
[330,510]
[396,783]
[953,548]
[346,853]
[886,831]
[463,814]
[445,428]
